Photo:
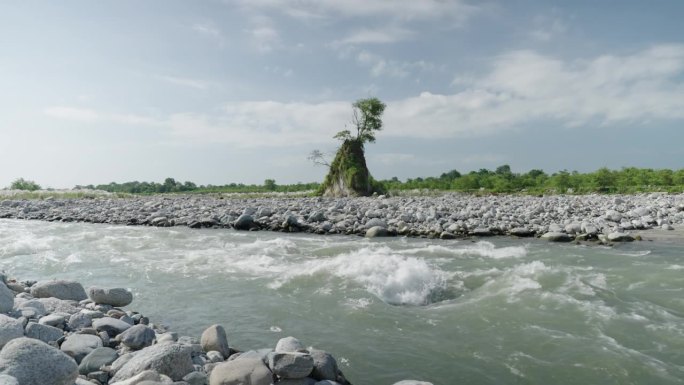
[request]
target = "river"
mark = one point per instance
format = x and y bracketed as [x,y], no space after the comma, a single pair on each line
[494,311]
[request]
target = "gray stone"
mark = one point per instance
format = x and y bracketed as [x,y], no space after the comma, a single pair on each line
[78,346]
[296,381]
[412,382]
[10,329]
[289,344]
[101,376]
[137,337]
[613,216]
[247,371]
[8,380]
[196,378]
[317,216]
[244,222]
[80,320]
[325,365]
[375,222]
[33,362]
[116,297]
[521,232]
[376,231]
[619,237]
[214,338]
[327,382]
[481,232]
[145,377]
[44,333]
[31,304]
[171,359]
[6,299]
[56,305]
[96,359]
[112,326]
[290,365]
[61,289]
[57,320]
[557,237]
[215,356]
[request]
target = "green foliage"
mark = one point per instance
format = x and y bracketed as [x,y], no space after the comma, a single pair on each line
[270,184]
[367,118]
[349,166]
[172,186]
[23,184]
[503,180]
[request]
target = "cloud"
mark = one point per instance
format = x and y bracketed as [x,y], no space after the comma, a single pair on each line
[406,10]
[185,82]
[380,66]
[376,36]
[520,88]
[547,28]
[210,31]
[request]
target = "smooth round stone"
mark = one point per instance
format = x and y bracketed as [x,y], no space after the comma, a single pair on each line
[376,231]
[288,344]
[117,296]
[214,338]
[112,326]
[6,299]
[247,371]
[80,345]
[290,365]
[171,359]
[96,359]
[557,237]
[44,333]
[137,337]
[10,328]
[31,361]
[61,289]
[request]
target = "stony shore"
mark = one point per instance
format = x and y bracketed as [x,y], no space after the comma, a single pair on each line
[58,333]
[605,218]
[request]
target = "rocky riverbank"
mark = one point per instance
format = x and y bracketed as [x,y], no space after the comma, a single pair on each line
[607,218]
[58,333]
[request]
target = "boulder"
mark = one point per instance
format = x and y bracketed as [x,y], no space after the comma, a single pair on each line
[289,344]
[44,333]
[553,236]
[290,365]
[137,337]
[619,237]
[170,359]
[376,231]
[56,305]
[32,362]
[147,377]
[481,232]
[214,338]
[6,299]
[10,329]
[325,365]
[116,297]
[96,359]
[61,289]
[244,222]
[244,371]
[375,222]
[78,346]
[8,380]
[412,382]
[57,320]
[521,232]
[112,326]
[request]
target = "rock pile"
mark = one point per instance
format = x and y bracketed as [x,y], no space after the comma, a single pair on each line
[53,333]
[560,217]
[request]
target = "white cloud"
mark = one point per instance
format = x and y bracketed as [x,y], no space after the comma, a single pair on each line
[210,31]
[547,28]
[380,66]
[376,36]
[521,88]
[456,10]
[185,82]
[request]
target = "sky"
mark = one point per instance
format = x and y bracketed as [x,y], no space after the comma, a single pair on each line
[239,91]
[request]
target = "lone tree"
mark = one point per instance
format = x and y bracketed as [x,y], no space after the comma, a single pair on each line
[348,174]
[23,184]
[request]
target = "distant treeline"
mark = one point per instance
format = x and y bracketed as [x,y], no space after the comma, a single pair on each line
[500,180]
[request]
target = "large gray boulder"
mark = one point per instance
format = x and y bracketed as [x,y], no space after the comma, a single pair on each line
[6,299]
[44,333]
[619,237]
[112,326]
[171,359]
[214,338]
[244,222]
[243,371]
[137,337]
[376,231]
[61,289]
[553,236]
[288,344]
[10,329]
[78,346]
[116,297]
[325,365]
[147,377]
[32,362]
[96,359]
[290,365]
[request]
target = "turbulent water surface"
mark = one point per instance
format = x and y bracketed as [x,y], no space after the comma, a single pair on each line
[500,311]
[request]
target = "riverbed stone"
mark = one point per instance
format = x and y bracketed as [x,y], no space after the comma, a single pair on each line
[112,326]
[244,222]
[147,377]
[34,362]
[44,333]
[78,346]
[325,365]
[553,236]
[245,371]
[97,358]
[376,231]
[61,289]
[619,237]
[171,359]
[117,296]
[6,299]
[10,329]
[137,337]
[412,382]
[290,365]
[289,344]
[8,380]
[214,338]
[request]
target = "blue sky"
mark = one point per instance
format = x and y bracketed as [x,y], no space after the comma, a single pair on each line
[242,90]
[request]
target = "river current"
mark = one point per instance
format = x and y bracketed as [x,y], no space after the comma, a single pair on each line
[494,311]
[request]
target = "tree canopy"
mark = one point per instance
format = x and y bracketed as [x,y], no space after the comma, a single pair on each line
[367,119]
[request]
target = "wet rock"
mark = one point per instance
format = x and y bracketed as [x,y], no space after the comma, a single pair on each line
[10,329]
[44,333]
[6,299]
[214,338]
[619,237]
[376,231]
[112,326]
[137,337]
[557,237]
[96,359]
[245,371]
[290,365]
[61,289]
[171,359]
[78,346]
[31,361]
[289,344]
[325,365]
[117,297]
